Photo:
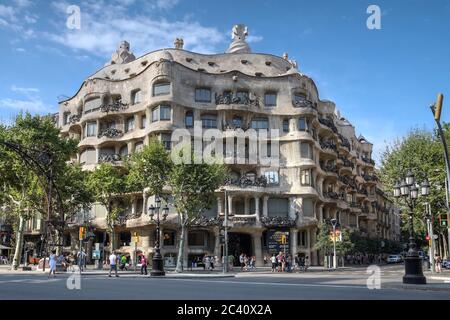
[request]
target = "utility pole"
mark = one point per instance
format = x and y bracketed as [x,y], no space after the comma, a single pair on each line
[225,260]
[430,235]
[436,109]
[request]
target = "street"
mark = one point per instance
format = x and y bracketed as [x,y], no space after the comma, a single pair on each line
[346,285]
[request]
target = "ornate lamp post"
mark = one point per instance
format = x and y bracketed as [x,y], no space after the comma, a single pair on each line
[409,192]
[157,263]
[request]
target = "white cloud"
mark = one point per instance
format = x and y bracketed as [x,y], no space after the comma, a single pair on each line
[105,25]
[20,50]
[253,39]
[33,105]
[166,4]
[24,90]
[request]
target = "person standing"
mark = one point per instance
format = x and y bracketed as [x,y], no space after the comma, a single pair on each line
[242,261]
[113,264]
[143,264]
[438,262]
[273,259]
[52,263]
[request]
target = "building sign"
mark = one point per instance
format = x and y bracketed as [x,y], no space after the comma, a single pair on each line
[277,240]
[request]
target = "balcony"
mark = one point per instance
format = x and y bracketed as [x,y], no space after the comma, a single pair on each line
[114,106]
[74,118]
[278,221]
[245,100]
[348,181]
[302,103]
[368,160]
[110,133]
[328,123]
[109,158]
[331,195]
[344,142]
[330,168]
[328,145]
[245,182]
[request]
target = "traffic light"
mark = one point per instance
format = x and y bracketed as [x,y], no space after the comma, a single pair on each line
[283,239]
[443,220]
[82,233]
[438,107]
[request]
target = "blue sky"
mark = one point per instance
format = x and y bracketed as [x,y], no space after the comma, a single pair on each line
[381,80]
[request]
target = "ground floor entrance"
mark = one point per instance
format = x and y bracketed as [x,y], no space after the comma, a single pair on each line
[239,243]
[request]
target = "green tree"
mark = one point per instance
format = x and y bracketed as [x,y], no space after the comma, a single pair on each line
[149,169]
[422,152]
[107,184]
[193,187]
[324,242]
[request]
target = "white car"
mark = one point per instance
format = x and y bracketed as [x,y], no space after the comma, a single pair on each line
[394,259]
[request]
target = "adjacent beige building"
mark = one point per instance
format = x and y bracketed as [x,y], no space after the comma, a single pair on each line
[325,171]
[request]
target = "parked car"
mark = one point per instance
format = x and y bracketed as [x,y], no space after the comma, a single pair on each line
[446,264]
[395,258]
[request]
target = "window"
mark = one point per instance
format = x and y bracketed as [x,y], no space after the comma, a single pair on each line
[272,177]
[237,122]
[203,95]
[306,177]
[143,122]
[166,139]
[169,238]
[302,124]
[88,156]
[260,123]
[299,98]
[138,146]
[161,113]
[196,239]
[160,89]
[129,124]
[285,125]
[92,105]
[209,121]
[306,151]
[66,117]
[242,95]
[270,99]
[91,128]
[302,239]
[124,151]
[136,97]
[189,119]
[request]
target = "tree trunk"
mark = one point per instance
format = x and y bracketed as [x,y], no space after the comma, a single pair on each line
[19,244]
[179,267]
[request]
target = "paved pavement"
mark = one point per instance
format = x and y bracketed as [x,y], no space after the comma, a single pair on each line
[261,285]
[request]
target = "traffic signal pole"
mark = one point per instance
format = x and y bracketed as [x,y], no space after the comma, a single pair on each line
[436,110]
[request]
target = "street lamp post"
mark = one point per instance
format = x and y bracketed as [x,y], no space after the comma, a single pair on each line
[157,262]
[334,223]
[409,191]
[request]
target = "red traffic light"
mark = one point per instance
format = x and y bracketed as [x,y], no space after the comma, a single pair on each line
[427,238]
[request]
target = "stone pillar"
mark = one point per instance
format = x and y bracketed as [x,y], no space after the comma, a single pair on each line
[97,154]
[230,205]
[357,221]
[292,207]
[219,206]
[313,259]
[265,206]
[294,243]
[308,243]
[257,209]
[144,202]
[257,246]
[133,207]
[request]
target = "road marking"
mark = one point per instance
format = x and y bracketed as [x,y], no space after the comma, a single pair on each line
[275,283]
[30,281]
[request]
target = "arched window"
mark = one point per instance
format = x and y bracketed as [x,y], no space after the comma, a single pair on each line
[124,151]
[136,96]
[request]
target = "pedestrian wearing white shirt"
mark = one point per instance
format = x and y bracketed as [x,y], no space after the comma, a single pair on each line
[113,264]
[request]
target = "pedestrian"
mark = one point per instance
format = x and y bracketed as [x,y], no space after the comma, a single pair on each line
[207,262]
[273,259]
[211,262]
[265,260]
[52,263]
[123,262]
[113,264]
[438,262]
[143,264]
[306,263]
[242,261]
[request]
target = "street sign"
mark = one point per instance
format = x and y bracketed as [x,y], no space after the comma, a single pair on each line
[96,254]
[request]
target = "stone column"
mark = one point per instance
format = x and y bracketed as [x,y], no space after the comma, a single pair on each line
[256,237]
[230,205]
[144,202]
[257,209]
[97,154]
[308,242]
[357,221]
[133,207]
[294,243]
[292,207]
[313,259]
[265,206]
[219,206]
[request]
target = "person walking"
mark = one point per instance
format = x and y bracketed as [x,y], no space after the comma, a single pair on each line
[438,262]
[143,264]
[113,264]
[207,263]
[52,263]
[273,259]
[242,261]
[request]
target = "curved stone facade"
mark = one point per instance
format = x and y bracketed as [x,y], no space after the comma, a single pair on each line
[325,170]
